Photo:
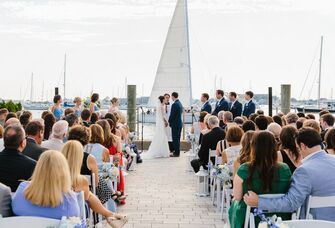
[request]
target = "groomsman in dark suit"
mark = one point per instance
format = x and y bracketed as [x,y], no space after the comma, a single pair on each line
[249,106]
[235,107]
[221,104]
[206,107]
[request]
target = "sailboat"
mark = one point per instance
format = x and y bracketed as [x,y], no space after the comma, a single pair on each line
[330,105]
[174,69]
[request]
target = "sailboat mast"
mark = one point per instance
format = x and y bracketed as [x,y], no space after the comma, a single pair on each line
[64,76]
[188,48]
[32,87]
[320,67]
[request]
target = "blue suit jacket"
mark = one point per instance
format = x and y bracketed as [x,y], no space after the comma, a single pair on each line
[221,106]
[314,177]
[175,120]
[206,107]
[249,108]
[236,109]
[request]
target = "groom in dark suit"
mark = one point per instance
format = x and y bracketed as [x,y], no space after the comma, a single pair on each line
[176,123]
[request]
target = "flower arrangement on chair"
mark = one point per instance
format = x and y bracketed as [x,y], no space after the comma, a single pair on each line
[108,170]
[271,222]
[224,174]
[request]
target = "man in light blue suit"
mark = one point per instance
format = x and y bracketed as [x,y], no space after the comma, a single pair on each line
[314,177]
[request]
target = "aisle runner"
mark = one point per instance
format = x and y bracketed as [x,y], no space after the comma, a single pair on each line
[162,194]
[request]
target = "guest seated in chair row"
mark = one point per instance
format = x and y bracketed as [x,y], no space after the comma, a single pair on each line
[209,142]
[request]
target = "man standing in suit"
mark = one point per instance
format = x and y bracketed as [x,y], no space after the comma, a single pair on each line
[206,107]
[221,104]
[35,134]
[249,106]
[313,178]
[209,142]
[235,107]
[14,166]
[176,123]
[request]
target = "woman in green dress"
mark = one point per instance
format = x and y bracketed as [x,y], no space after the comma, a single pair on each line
[262,174]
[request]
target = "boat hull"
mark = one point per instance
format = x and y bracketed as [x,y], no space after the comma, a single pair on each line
[313,110]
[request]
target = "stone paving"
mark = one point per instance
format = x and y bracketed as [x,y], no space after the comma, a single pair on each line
[161,194]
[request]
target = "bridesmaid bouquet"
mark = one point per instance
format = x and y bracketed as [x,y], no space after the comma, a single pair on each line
[223,173]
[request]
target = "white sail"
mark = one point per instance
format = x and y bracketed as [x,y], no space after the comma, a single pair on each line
[174,69]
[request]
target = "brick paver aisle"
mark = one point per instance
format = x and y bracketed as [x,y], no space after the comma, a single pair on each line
[161,194]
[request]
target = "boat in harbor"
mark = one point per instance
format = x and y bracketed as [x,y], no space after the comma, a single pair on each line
[320,105]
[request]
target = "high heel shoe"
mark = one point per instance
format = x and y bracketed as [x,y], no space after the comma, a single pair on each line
[117,221]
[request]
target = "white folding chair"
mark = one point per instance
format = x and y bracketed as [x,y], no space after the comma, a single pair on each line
[319,202]
[225,200]
[91,182]
[309,224]
[249,220]
[28,222]
[81,203]
[212,154]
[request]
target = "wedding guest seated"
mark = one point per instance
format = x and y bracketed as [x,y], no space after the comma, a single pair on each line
[5,201]
[1,138]
[85,117]
[220,116]
[310,116]
[68,111]
[330,141]
[253,116]
[206,129]
[209,142]
[301,114]
[94,118]
[275,129]
[3,114]
[35,133]
[261,123]
[233,138]
[289,153]
[239,121]
[300,122]
[262,174]
[95,146]
[112,122]
[310,179]
[25,118]
[291,119]
[72,119]
[11,115]
[228,120]
[277,119]
[327,122]
[313,124]
[245,152]
[322,112]
[48,193]
[56,141]
[198,126]
[73,152]
[249,126]
[49,121]
[14,166]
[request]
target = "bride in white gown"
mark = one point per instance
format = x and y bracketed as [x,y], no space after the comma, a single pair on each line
[159,147]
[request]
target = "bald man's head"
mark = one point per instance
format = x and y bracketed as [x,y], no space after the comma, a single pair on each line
[14,137]
[11,121]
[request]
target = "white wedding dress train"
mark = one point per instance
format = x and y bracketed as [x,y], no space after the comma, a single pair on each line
[159,147]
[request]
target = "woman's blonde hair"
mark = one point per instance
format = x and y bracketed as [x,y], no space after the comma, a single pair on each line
[73,152]
[313,124]
[50,180]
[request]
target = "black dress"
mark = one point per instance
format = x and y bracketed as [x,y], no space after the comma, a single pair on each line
[287,161]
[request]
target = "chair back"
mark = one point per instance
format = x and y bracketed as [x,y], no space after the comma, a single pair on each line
[319,202]
[81,203]
[212,154]
[91,182]
[249,220]
[28,222]
[310,224]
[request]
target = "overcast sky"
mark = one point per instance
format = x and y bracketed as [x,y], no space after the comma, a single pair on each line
[248,43]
